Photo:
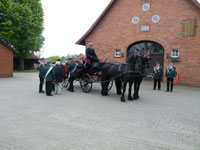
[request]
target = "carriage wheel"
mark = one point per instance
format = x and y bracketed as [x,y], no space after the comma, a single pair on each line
[65,83]
[110,85]
[86,83]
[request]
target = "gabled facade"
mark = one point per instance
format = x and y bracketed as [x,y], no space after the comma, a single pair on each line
[6,59]
[168,28]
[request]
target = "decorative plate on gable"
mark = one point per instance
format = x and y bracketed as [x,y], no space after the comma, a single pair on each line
[145,7]
[135,20]
[155,19]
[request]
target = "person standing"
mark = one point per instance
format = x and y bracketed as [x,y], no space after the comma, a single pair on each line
[170,75]
[91,55]
[157,75]
[72,66]
[59,74]
[41,75]
[49,78]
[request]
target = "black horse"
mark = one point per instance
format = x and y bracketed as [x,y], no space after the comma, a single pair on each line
[141,63]
[138,79]
[122,74]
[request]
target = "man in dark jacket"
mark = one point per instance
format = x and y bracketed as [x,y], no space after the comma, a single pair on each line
[91,55]
[59,74]
[157,75]
[41,75]
[72,66]
[49,78]
[170,75]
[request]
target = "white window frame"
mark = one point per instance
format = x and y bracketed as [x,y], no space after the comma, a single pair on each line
[117,53]
[175,53]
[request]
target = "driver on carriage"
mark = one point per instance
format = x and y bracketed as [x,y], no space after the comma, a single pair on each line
[92,58]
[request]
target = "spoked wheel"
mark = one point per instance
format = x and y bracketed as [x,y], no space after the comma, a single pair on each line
[110,85]
[86,83]
[65,83]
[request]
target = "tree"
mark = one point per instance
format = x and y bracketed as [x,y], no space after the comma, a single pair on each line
[6,31]
[63,58]
[25,21]
[54,58]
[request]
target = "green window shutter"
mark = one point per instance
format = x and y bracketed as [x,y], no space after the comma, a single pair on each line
[189,27]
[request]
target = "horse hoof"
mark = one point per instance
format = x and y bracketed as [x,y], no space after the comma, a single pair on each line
[136,98]
[130,98]
[104,94]
[123,99]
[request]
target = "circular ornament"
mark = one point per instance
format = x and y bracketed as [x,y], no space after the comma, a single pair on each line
[135,20]
[155,19]
[145,7]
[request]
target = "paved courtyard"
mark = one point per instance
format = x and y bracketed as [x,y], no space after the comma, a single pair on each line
[80,121]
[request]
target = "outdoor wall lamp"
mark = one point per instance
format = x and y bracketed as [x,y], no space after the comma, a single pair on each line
[122,54]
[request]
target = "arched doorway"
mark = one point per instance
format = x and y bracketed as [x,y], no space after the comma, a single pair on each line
[156,52]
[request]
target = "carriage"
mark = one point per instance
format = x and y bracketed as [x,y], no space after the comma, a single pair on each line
[86,76]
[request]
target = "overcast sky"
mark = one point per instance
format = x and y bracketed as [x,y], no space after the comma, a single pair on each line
[66,21]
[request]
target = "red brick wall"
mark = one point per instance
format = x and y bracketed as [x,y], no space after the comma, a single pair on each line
[6,62]
[116,31]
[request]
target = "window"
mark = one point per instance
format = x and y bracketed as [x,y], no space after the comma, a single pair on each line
[135,20]
[117,53]
[155,19]
[175,53]
[153,47]
[145,7]
[189,27]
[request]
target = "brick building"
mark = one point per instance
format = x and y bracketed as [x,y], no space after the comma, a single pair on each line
[168,28]
[6,59]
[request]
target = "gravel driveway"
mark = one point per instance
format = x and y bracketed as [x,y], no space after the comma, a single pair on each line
[80,121]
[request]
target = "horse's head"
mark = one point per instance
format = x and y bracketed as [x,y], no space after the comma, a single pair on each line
[135,61]
[131,59]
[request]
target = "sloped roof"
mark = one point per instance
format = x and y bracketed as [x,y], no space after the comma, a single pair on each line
[8,45]
[34,57]
[81,41]
[196,3]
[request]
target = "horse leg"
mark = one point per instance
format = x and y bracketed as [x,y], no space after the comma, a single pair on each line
[103,89]
[130,89]
[124,90]
[106,87]
[138,88]
[103,85]
[118,85]
[135,89]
